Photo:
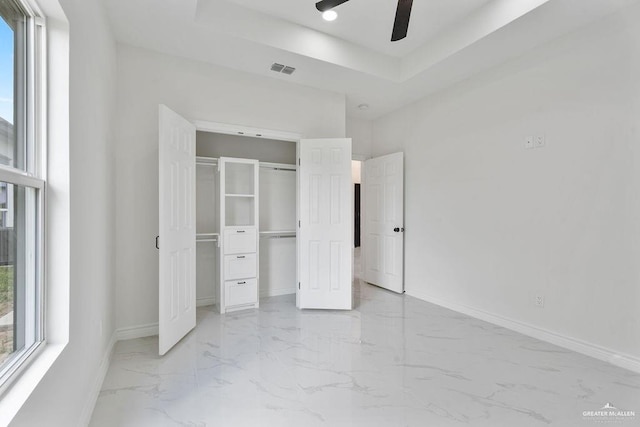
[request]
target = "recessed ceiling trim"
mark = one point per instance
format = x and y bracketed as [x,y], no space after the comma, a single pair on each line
[232,19]
[144,23]
[475,27]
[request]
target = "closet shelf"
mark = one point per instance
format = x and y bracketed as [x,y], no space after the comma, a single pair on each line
[206,161]
[207,237]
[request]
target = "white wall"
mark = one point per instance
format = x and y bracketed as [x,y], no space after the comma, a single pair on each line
[360,132]
[266,150]
[197,91]
[61,397]
[490,225]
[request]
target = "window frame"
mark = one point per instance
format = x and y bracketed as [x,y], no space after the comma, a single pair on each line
[31,125]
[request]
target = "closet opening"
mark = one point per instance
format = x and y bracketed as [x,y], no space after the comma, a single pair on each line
[246,194]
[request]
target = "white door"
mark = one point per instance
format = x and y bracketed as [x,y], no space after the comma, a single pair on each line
[326,228]
[383,236]
[177,237]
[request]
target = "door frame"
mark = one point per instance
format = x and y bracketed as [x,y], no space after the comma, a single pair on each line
[264,133]
[359,158]
[249,131]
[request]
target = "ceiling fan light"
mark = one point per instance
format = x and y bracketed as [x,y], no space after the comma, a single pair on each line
[329,15]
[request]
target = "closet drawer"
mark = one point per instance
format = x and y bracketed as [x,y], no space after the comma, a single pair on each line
[240,292]
[240,266]
[239,240]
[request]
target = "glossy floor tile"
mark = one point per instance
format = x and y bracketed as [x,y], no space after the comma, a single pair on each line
[393,361]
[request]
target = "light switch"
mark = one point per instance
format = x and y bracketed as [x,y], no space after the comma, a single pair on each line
[539,141]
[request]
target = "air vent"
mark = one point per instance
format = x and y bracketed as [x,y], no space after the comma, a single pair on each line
[279,68]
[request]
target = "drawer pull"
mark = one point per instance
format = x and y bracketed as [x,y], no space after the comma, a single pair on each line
[240,256]
[240,231]
[242,283]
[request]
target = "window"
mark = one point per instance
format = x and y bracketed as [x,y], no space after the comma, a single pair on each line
[21,187]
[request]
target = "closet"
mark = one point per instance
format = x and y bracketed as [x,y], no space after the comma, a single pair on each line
[238,220]
[245,220]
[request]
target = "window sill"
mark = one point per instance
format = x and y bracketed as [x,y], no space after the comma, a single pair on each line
[17,394]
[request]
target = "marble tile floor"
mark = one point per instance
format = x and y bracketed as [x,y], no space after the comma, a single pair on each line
[393,361]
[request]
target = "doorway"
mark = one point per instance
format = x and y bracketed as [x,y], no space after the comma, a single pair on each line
[356,181]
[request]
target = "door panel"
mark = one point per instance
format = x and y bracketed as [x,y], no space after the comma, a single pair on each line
[383,237]
[326,224]
[177,302]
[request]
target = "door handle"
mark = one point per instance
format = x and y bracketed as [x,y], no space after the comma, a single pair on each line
[398,229]
[157,246]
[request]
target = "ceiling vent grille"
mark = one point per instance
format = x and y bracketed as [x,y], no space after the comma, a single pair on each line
[279,68]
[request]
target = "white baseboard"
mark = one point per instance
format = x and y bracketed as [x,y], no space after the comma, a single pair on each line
[607,355]
[203,302]
[276,292]
[151,329]
[141,331]
[94,393]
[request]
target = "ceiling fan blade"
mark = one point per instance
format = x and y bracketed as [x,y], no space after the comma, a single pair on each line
[325,5]
[401,24]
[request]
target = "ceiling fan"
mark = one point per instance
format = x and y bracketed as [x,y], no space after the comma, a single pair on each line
[400,25]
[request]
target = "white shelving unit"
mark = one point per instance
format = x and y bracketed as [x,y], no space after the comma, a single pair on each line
[239,207]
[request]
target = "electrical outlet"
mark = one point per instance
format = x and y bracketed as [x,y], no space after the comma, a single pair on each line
[540,301]
[539,141]
[528,142]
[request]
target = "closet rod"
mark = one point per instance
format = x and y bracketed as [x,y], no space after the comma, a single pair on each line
[278,169]
[278,166]
[279,236]
[206,240]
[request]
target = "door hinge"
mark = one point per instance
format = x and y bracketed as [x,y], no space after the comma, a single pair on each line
[299,162]
[298,285]
[298,224]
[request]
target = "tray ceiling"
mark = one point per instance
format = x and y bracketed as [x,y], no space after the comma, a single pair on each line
[448,40]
